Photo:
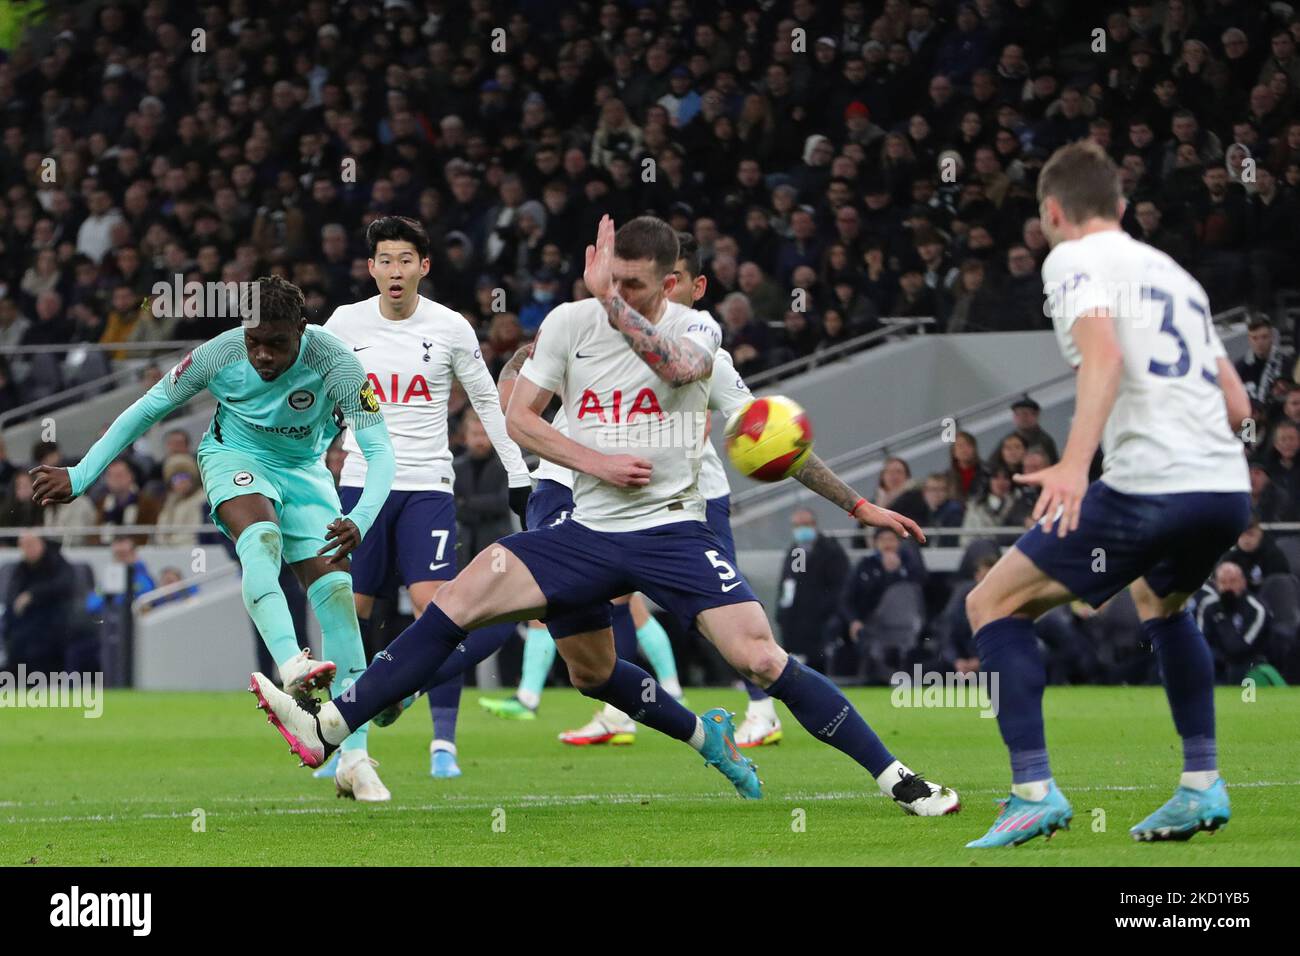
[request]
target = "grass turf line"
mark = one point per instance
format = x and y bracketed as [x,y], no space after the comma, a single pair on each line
[121,790]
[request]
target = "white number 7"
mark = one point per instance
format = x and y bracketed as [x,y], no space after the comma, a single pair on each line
[441,534]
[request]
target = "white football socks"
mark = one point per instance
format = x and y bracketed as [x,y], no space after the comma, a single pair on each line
[696,739]
[888,778]
[674,688]
[615,716]
[1035,790]
[1198,779]
[332,725]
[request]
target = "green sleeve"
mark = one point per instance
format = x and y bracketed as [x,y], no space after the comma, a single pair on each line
[381,468]
[190,376]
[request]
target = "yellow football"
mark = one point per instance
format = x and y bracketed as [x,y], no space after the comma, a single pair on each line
[769,438]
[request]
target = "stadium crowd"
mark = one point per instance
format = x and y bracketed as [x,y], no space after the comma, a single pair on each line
[839,163]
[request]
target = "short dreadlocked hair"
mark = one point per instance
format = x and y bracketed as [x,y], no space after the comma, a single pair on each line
[278,300]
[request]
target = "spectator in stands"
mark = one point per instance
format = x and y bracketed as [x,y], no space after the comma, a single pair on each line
[1234,623]
[1269,502]
[895,488]
[1021,513]
[38,606]
[1010,454]
[184,502]
[992,509]
[969,475]
[742,335]
[1276,241]
[482,499]
[168,576]
[1280,458]
[1257,555]
[941,508]
[1265,361]
[121,501]
[890,562]
[1024,414]
[952,631]
[1223,225]
[811,583]
[137,578]
[17,509]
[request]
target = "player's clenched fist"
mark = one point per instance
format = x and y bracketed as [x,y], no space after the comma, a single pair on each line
[51,486]
[343,535]
[625,471]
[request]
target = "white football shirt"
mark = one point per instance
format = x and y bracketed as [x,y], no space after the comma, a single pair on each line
[727,392]
[411,364]
[1168,431]
[616,404]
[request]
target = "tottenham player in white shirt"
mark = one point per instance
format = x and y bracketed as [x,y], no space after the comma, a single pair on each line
[1156,389]
[412,349]
[611,725]
[638,524]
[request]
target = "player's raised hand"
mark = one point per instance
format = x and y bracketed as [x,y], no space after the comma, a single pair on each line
[1062,490]
[625,471]
[51,486]
[343,535]
[599,273]
[872,516]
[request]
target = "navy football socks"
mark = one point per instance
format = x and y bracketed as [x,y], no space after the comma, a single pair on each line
[1187,671]
[826,713]
[640,696]
[1009,648]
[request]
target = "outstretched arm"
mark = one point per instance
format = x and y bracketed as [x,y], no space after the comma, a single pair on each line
[675,359]
[817,476]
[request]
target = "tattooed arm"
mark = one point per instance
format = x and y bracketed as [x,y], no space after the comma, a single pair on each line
[506,383]
[817,476]
[677,361]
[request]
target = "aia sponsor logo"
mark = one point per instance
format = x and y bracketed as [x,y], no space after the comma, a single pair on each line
[401,390]
[615,410]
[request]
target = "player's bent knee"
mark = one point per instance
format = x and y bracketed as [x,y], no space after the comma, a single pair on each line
[589,675]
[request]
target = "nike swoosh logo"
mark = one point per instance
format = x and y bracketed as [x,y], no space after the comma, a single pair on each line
[231,401]
[267,594]
[360,348]
[438,567]
[728,587]
[580,355]
[356,670]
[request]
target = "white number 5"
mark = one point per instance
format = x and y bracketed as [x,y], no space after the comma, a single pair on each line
[725,571]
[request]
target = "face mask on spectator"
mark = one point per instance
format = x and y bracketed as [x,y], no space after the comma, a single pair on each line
[805,534]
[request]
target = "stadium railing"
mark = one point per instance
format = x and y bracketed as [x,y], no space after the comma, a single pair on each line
[759,500]
[128,370]
[893,326]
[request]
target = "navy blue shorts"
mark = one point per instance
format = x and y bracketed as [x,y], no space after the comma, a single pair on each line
[414,536]
[717,512]
[552,502]
[1173,541]
[683,567]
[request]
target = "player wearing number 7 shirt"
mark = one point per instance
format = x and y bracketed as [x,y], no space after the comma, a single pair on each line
[1156,389]
[412,349]
[637,525]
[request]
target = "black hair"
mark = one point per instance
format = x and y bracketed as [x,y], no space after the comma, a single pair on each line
[397,229]
[278,300]
[688,248]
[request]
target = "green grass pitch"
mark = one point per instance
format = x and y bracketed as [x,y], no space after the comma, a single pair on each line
[122,790]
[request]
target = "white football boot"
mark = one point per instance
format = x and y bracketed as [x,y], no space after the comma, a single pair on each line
[356,778]
[609,726]
[295,718]
[761,726]
[300,676]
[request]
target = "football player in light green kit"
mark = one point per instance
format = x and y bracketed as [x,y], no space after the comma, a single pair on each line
[283,390]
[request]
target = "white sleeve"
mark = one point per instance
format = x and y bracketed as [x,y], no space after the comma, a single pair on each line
[727,390]
[473,374]
[546,366]
[1072,288]
[704,332]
